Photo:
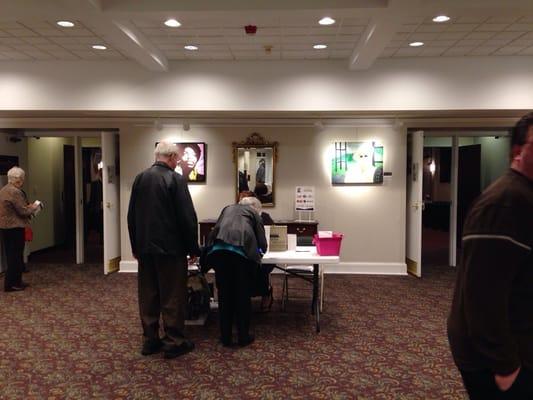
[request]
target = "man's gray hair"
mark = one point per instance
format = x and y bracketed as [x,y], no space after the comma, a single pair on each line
[252,202]
[165,149]
[15,174]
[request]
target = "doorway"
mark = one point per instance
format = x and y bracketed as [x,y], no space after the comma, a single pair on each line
[53,167]
[92,204]
[52,180]
[481,159]
[437,205]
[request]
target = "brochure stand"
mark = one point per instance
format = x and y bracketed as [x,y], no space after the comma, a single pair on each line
[305,203]
[308,216]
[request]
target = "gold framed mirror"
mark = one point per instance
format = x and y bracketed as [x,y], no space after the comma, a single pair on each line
[255,168]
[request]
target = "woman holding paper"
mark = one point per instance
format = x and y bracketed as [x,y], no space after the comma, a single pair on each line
[236,245]
[15,215]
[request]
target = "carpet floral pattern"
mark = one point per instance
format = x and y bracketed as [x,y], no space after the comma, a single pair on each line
[75,334]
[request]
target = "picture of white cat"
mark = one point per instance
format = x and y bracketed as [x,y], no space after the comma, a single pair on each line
[357,163]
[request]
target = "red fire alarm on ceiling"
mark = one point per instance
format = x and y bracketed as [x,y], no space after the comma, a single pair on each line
[250,29]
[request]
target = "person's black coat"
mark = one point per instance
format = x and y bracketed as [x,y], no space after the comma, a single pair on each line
[161,215]
[239,225]
[267,219]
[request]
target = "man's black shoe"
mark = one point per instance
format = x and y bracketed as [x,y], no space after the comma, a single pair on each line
[176,351]
[14,289]
[226,342]
[151,347]
[246,341]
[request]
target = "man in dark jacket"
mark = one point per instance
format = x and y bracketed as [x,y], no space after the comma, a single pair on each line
[163,230]
[490,328]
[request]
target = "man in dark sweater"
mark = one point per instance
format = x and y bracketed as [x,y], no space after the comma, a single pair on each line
[490,327]
[163,230]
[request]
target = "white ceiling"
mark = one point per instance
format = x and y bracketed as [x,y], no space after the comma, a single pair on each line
[365,30]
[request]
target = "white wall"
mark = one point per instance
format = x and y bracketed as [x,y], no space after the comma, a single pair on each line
[391,84]
[371,217]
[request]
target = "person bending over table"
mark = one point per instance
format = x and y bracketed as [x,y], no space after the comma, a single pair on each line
[236,245]
[262,285]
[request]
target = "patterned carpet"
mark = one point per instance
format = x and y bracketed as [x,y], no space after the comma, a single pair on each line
[75,334]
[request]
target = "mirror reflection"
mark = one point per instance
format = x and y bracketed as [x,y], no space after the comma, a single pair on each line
[255,162]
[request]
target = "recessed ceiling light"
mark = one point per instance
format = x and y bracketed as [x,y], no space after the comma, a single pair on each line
[416,44]
[441,18]
[326,21]
[65,24]
[99,47]
[320,46]
[190,47]
[172,23]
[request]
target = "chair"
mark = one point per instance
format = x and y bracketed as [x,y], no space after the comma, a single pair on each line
[304,271]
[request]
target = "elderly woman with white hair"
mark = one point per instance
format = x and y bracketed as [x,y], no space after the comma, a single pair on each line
[15,213]
[237,243]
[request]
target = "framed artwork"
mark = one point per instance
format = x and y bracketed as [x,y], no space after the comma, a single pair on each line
[255,167]
[192,158]
[355,163]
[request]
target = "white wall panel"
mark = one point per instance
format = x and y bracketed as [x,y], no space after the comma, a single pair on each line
[372,217]
[395,84]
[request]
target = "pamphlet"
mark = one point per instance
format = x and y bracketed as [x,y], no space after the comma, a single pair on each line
[39,208]
[325,234]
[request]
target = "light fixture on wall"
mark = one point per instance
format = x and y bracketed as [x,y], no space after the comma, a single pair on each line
[432,167]
[186,126]
[158,125]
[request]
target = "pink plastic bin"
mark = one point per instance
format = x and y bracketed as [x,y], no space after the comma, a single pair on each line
[328,246]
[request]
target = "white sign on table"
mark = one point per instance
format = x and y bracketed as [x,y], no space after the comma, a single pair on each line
[305,198]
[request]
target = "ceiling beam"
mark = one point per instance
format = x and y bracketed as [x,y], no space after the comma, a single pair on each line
[380,31]
[122,35]
[376,37]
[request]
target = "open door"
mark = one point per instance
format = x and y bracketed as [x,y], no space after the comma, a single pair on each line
[78,198]
[413,251]
[69,197]
[111,201]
